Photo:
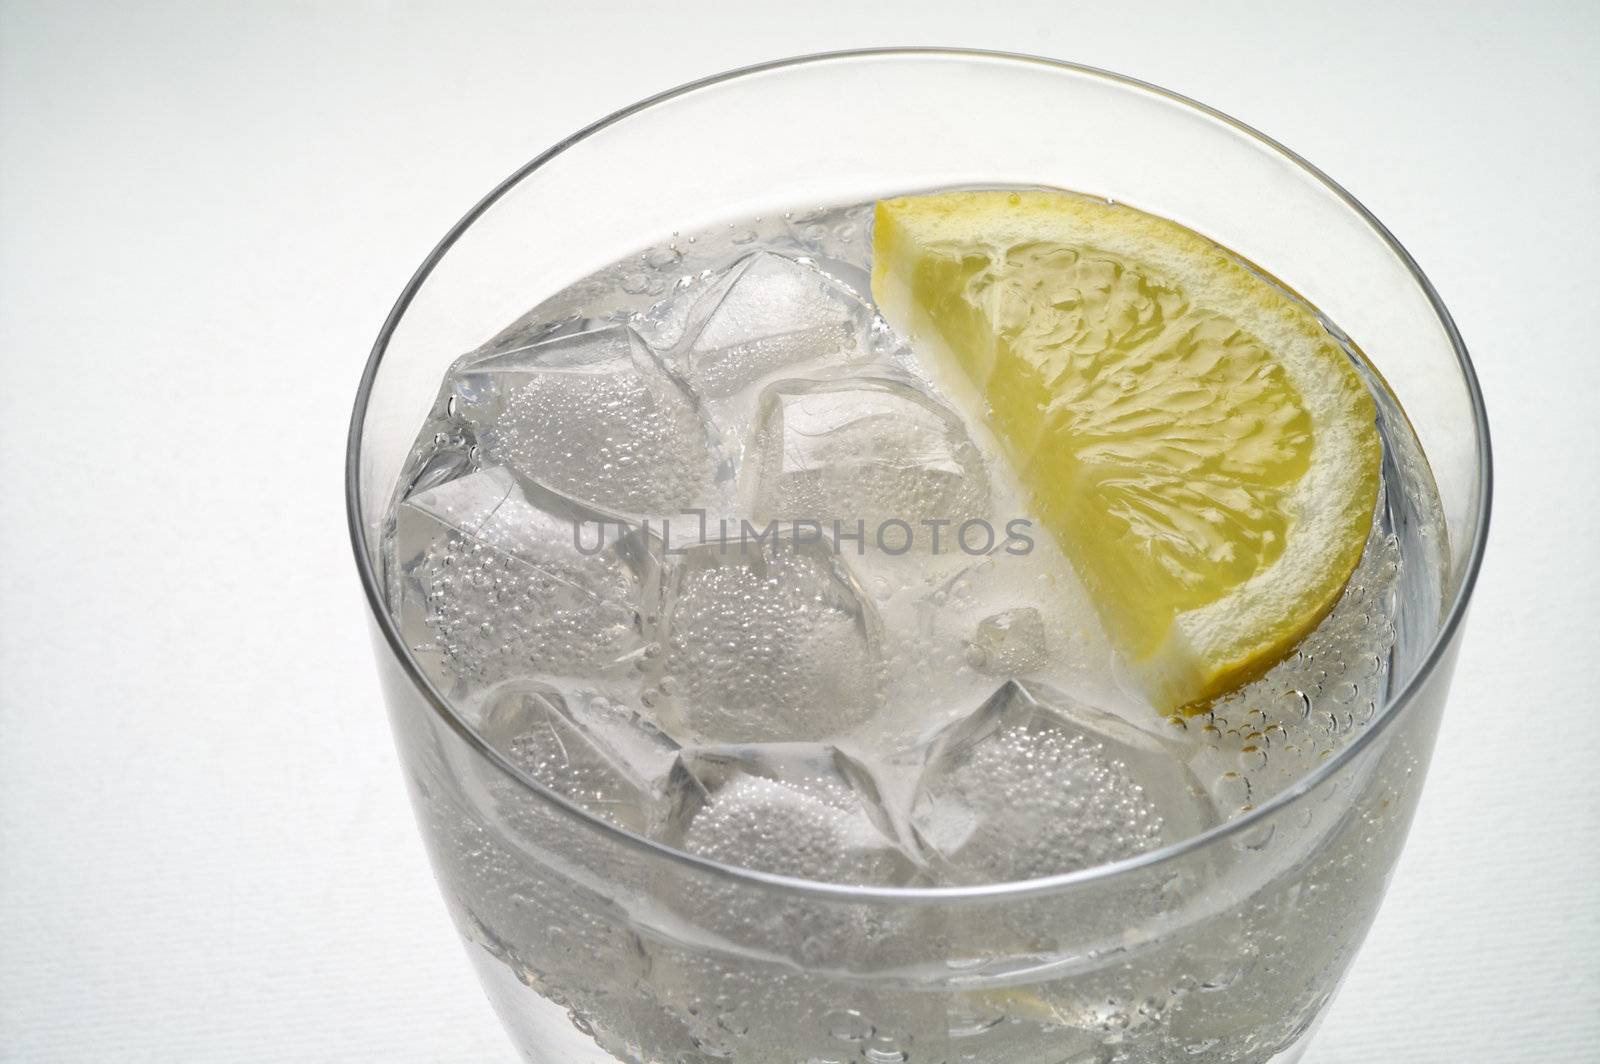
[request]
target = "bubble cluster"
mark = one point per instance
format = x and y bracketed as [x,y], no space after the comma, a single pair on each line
[1265,736]
[769,642]
[496,587]
[585,747]
[1033,784]
[793,809]
[596,417]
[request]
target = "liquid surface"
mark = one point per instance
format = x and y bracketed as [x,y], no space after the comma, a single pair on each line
[701,546]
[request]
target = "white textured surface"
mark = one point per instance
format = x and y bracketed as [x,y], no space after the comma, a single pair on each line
[205,851]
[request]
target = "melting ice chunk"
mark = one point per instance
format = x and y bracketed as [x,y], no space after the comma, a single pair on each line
[585,747]
[503,579]
[795,809]
[768,313]
[764,641]
[1008,643]
[594,416]
[864,449]
[1033,784]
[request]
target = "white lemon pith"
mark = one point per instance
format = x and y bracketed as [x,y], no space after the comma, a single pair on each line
[1202,449]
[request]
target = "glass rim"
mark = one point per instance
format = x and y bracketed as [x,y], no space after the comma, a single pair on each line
[372,588]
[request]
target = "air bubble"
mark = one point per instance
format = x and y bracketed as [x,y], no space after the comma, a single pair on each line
[885,1050]
[1233,789]
[847,1025]
[965,1022]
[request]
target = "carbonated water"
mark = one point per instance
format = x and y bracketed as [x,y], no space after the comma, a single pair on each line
[698,545]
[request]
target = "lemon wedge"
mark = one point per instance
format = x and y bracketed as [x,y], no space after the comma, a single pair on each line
[1202,449]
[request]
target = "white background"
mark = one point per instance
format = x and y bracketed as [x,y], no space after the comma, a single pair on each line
[205,848]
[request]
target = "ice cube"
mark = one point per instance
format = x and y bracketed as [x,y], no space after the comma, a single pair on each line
[1008,643]
[803,810]
[980,618]
[794,809]
[763,640]
[585,747]
[865,449]
[502,579]
[768,313]
[594,416]
[555,933]
[1034,783]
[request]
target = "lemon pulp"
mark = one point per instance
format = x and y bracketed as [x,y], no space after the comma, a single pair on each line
[1202,449]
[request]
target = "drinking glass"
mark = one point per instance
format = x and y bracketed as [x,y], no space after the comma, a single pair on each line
[596,944]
